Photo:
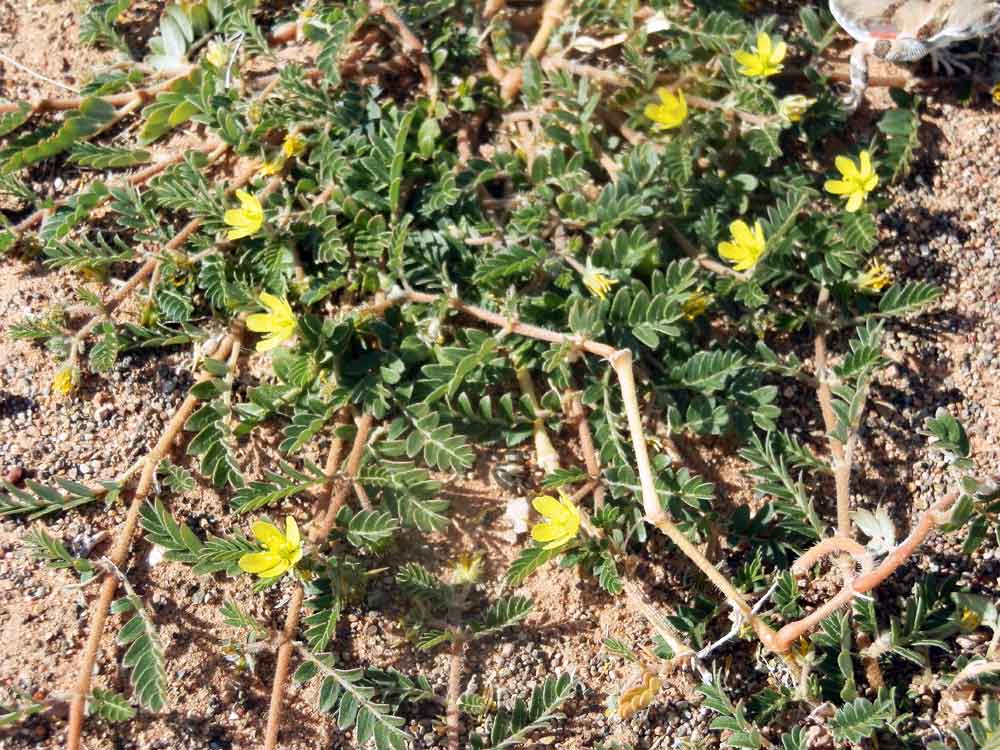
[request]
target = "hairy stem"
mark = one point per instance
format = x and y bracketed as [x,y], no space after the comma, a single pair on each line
[456,662]
[841,467]
[318,533]
[281,667]
[123,543]
[864,583]
[514,78]
[410,41]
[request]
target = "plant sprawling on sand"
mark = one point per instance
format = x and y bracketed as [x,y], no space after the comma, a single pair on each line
[611,237]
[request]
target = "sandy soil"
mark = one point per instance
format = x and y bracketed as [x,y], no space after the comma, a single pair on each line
[942,227]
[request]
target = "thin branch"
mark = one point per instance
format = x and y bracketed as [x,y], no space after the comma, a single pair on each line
[935,516]
[829,546]
[410,41]
[214,150]
[115,100]
[456,662]
[514,78]
[123,543]
[281,667]
[841,466]
[318,533]
[590,457]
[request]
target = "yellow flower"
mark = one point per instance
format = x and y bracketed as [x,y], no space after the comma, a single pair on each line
[875,278]
[995,93]
[764,60]
[747,246]
[467,569]
[246,220]
[970,620]
[283,551]
[217,54]
[293,145]
[271,168]
[66,380]
[859,180]
[278,322]
[792,108]
[562,521]
[597,281]
[670,112]
[696,304]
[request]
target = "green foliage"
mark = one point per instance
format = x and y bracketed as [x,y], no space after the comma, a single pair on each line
[732,717]
[83,123]
[46,548]
[436,243]
[144,655]
[109,706]
[40,500]
[350,699]
[513,726]
[861,718]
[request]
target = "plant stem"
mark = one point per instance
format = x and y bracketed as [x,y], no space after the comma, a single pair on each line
[514,78]
[281,667]
[841,466]
[621,361]
[319,532]
[123,543]
[590,458]
[867,581]
[410,41]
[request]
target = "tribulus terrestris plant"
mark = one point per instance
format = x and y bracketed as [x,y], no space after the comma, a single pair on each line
[607,235]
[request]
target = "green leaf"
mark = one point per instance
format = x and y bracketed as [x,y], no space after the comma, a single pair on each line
[707,371]
[93,114]
[515,724]
[107,157]
[145,657]
[345,695]
[502,614]
[11,121]
[109,706]
[177,539]
[900,299]
[530,560]
[39,500]
[367,529]
[859,719]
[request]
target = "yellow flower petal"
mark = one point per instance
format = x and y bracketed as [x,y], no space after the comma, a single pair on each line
[778,54]
[741,232]
[546,505]
[846,167]
[855,201]
[268,343]
[837,187]
[260,322]
[292,532]
[267,534]
[258,562]
[546,532]
[763,45]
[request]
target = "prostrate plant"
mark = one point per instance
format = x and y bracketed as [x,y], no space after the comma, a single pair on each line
[615,234]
